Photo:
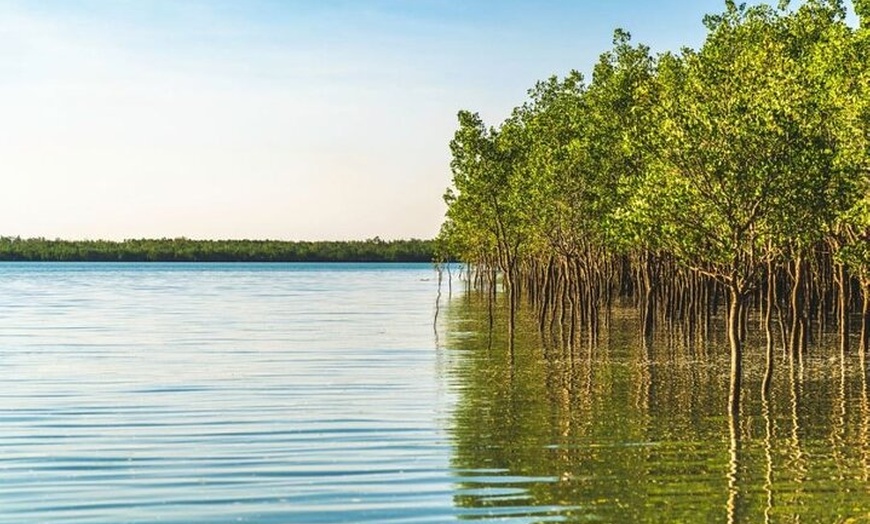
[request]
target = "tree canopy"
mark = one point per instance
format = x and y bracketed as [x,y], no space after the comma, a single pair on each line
[670,180]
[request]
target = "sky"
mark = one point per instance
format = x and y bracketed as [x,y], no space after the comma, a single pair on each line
[273,119]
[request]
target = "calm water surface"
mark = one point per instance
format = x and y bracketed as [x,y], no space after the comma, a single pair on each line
[221,393]
[321,393]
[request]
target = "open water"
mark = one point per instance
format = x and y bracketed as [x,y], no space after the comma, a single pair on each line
[193,393]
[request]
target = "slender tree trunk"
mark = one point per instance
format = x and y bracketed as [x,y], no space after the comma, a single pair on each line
[512,308]
[797,309]
[439,268]
[843,306]
[546,294]
[709,292]
[768,330]
[734,313]
[649,299]
[865,318]
[780,318]
[490,300]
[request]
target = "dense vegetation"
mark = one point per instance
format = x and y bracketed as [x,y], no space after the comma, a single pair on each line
[186,250]
[735,175]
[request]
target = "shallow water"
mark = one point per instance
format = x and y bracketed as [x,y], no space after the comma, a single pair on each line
[221,393]
[622,433]
[321,393]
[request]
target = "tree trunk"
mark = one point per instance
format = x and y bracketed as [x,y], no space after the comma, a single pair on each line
[865,318]
[512,309]
[843,306]
[649,300]
[768,330]
[734,313]
[797,309]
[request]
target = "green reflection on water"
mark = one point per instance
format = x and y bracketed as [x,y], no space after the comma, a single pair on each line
[620,432]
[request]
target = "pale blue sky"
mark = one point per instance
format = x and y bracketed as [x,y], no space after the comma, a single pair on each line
[273,119]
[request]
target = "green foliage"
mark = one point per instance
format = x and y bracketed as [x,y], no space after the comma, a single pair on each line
[751,149]
[747,164]
[862,9]
[186,250]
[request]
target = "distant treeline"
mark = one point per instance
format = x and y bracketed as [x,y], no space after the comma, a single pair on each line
[187,250]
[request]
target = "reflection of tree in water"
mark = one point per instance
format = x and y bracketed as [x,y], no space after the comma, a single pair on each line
[628,433]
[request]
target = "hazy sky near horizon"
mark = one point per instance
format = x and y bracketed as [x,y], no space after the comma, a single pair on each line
[284,119]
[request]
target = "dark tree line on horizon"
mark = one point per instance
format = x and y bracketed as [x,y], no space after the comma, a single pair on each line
[729,181]
[187,250]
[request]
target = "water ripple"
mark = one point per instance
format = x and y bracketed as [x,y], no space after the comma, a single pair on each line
[147,393]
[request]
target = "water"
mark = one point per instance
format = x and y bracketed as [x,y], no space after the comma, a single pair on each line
[321,393]
[221,393]
[624,433]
